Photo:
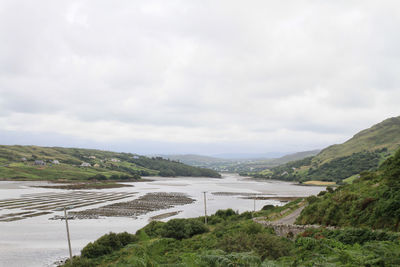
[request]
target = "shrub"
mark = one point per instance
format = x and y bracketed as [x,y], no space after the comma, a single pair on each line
[268,207]
[311,199]
[98,177]
[183,228]
[224,214]
[253,228]
[245,215]
[271,246]
[154,229]
[107,244]
[167,173]
[214,220]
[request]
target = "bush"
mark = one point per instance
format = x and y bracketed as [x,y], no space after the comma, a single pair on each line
[253,228]
[312,199]
[264,244]
[183,228]
[268,207]
[214,220]
[271,246]
[107,244]
[154,229]
[167,173]
[98,177]
[245,215]
[224,214]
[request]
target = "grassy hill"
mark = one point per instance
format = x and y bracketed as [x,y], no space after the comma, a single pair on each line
[364,151]
[262,164]
[58,163]
[382,135]
[373,201]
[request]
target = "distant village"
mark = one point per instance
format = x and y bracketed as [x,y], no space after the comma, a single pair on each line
[42,162]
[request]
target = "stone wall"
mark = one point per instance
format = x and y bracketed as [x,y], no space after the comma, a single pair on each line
[287,230]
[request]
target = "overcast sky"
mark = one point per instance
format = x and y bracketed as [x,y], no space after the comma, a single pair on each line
[202,77]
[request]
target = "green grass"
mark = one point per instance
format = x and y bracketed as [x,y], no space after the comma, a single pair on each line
[129,165]
[382,135]
[373,200]
[55,172]
[232,239]
[351,179]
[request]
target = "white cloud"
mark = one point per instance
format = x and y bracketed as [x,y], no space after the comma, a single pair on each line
[258,76]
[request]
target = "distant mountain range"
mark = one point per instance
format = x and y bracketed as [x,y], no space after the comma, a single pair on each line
[238,164]
[252,156]
[364,151]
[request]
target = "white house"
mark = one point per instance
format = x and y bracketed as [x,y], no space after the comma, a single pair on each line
[55,162]
[85,164]
[40,162]
[115,160]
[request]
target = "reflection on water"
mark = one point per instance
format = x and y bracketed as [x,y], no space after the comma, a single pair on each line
[39,241]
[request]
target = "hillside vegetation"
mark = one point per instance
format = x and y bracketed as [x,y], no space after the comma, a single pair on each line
[363,152]
[366,212]
[57,163]
[382,135]
[232,239]
[373,201]
[239,165]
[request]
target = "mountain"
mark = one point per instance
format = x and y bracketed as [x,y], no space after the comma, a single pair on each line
[195,160]
[373,201]
[382,135]
[249,156]
[364,151]
[240,164]
[50,163]
[293,157]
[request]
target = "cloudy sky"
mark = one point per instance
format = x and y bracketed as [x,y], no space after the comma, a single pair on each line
[202,77]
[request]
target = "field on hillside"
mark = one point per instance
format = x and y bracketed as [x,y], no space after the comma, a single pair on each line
[56,163]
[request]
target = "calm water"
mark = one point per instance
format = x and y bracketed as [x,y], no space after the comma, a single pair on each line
[40,242]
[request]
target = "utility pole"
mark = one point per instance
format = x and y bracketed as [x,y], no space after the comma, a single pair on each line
[205,208]
[69,241]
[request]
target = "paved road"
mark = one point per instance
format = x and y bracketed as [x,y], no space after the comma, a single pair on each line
[290,219]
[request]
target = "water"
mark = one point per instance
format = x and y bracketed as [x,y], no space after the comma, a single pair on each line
[39,241]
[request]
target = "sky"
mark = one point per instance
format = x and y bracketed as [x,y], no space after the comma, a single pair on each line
[201,77]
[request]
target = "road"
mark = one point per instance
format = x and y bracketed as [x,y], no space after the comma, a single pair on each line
[290,219]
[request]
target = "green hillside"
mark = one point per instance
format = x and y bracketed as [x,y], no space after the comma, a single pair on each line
[382,135]
[238,165]
[261,165]
[373,201]
[58,163]
[364,151]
